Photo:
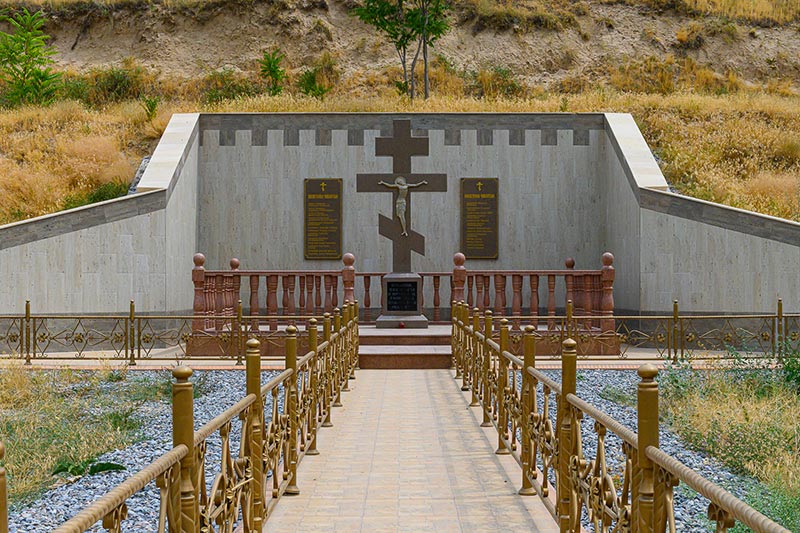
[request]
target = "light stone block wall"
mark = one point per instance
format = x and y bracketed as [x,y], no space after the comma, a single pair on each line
[231,185]
[95,259]
[709,257]
[251,191]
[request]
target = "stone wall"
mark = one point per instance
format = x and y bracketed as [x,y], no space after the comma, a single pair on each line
[231,185]
[95,259]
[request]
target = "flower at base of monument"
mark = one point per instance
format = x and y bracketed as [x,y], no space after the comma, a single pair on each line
[401,325]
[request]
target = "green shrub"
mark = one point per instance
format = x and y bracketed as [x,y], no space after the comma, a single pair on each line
[225,84]
[309,84]
[791,370]
[106,191]
[116,84]
[150,106]
[25,60]
[271,71]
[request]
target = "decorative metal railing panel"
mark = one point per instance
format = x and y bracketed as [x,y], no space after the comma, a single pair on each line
[280,421]
[579,486]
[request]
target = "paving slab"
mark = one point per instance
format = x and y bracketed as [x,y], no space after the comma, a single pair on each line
[407,453]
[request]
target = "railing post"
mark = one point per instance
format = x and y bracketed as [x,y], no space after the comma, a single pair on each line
[551,301]
[3,493]
[272,300]
[455,338]
[487,363]
[516,299]
[779,337]
[256,420]
[526,454]
[647,411]
[356,340]
[131,335]
[337,328]
[346,315]
[238,328]
[566,446]
[475,348]
[607,301]
[675,336]
[459,276]
[291,402]
[349,277]
[367,298]
[502,390]
[314,368]
[569,280]
[183,433]
[437,300]
[199,305]
[26,341]
[326,335]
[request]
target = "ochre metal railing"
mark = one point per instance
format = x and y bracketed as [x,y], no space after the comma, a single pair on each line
[538,422]
[280,423]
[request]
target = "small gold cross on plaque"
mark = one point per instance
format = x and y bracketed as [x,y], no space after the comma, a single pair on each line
[322,186]
[479,185]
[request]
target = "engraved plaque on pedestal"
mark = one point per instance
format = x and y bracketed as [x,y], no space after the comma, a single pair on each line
[401,305]
[479,218]
[322,206]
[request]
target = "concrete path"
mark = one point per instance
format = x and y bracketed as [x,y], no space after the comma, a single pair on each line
[406,453]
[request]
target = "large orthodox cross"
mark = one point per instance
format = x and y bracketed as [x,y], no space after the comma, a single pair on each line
[401,147]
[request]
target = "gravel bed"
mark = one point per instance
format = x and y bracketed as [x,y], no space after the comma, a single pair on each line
[57,505]
[224,388]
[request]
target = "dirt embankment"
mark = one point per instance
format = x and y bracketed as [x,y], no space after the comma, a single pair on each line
[187,42]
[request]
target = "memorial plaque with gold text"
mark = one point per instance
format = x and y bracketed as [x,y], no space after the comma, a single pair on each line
[323,218]
[479,217]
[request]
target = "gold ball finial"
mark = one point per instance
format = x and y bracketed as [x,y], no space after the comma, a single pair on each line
[648,371]
[459,259]
[529,329]
[291,331]
[199,259]
[253,344]
[348,259]
[182,373]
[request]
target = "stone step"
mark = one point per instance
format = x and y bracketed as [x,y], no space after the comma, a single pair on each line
[404,357]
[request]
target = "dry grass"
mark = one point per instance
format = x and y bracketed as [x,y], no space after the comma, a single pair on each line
[758,11]
[52,417]
[718,138]
[746,418]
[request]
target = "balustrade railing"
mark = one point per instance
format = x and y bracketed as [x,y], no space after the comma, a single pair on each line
[280,423]
[279,292]
[538,422]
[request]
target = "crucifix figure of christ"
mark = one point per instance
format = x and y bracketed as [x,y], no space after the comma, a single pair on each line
[401,147]
[402,193]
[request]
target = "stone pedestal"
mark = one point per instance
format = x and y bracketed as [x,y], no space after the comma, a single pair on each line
[401,305]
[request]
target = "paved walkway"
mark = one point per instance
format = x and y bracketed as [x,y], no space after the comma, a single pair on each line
[406,453]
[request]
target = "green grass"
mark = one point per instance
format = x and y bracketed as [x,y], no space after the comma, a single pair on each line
[57,423]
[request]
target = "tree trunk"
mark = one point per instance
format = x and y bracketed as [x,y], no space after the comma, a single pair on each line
[426,80]
[414,68]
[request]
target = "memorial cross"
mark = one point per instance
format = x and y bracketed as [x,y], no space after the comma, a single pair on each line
[401,147]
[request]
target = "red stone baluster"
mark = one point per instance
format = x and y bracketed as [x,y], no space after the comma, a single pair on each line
[516,300]
[199,280]
[367,298]
[551,300]
[307,310]
[459,277]
[470,301]
[578,301]
[285,297]
[349,277]
[607,323]
[499,294]
[335,292]
[587,300]
[301,305]
[209,297]
[568,280]
[254,308]
[328,307]
[272,300]
[436,299]
[479,293]
[219,302]
[534,281]
[318,295]
[291,281]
